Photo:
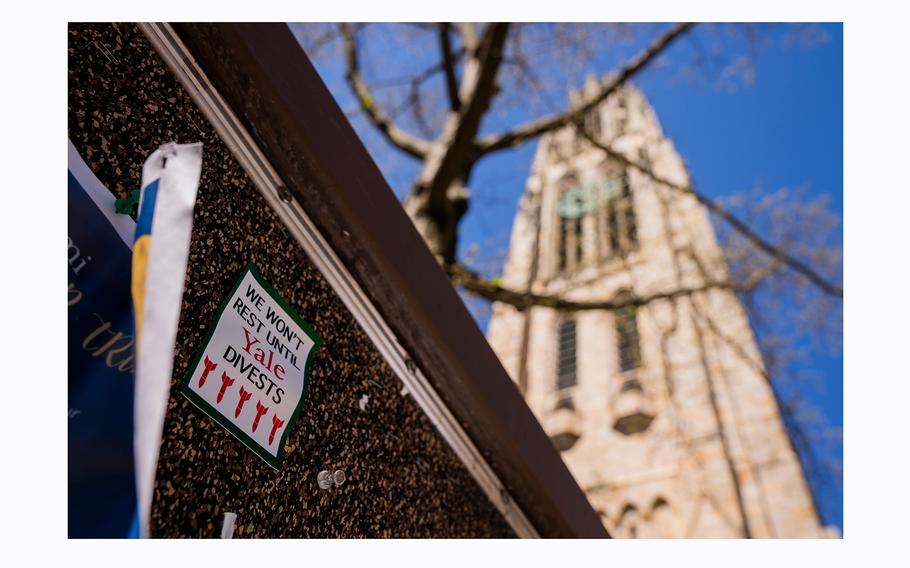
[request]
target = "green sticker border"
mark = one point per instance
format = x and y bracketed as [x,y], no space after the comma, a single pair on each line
[216,415]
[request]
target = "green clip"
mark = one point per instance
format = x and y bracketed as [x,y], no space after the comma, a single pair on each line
[124,205]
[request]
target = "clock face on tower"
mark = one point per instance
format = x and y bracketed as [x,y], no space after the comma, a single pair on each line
[583,198]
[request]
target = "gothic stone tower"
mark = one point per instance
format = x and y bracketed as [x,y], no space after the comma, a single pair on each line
[663,412]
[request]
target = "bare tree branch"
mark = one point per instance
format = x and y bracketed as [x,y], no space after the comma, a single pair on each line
[467,31]
[419,78]
[456,144]
[416,103]
[314,37]
[761,257]
[776,252]
[409,144]
[535,128]
[493,291]
[422,26]
[448,63]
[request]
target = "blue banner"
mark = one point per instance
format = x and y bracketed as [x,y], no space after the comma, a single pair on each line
[102,481]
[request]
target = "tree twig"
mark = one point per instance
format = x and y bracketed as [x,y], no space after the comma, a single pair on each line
[408,143]
[776,252]
[462,276]
[477,90]
[448,65]
[535,128]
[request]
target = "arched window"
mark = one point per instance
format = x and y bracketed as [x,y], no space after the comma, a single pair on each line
[627,334]
[622,115]
[617,231]
[592,123]
[566,366]
[622,228]
[572,208]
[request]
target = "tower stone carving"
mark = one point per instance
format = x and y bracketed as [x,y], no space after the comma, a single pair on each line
[662,409]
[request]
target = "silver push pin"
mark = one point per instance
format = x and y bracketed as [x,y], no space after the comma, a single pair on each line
[324,479]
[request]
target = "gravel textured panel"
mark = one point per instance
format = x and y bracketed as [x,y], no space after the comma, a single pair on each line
[402,478]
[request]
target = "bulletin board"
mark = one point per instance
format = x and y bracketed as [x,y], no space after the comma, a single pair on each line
[399,477]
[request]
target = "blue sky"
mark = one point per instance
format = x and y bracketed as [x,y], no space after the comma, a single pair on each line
[786,129]
[774,122]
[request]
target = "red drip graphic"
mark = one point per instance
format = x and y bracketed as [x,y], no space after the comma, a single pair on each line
[226,381]
[244,396]
[209,367]
[276,424]
[260,410]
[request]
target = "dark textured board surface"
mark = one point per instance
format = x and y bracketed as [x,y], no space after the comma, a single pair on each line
[402,478]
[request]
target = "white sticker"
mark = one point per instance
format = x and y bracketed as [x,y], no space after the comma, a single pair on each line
[252,370]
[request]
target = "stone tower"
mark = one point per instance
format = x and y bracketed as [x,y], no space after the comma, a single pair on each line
[663,412]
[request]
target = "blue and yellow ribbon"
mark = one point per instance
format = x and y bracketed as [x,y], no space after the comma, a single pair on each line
[141,245]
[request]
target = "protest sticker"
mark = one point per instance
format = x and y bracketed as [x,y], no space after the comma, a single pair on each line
[251,373]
